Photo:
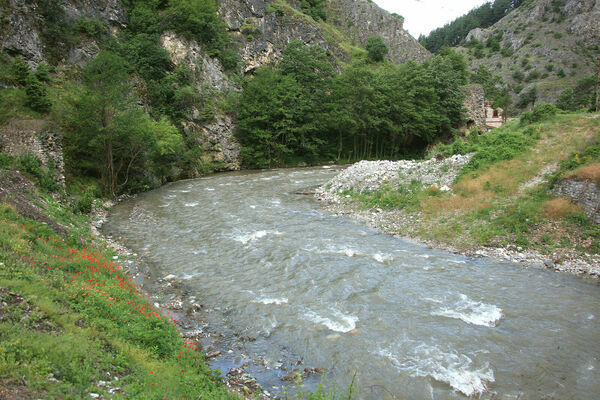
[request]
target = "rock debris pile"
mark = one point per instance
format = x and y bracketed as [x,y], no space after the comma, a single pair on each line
[371,175]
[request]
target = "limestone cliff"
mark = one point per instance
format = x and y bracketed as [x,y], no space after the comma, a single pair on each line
[265,27]
[360,19]
[23,24]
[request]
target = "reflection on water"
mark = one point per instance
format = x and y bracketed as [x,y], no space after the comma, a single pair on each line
[322,291]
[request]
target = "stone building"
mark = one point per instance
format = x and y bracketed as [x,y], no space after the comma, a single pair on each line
[474,106]
[494,117]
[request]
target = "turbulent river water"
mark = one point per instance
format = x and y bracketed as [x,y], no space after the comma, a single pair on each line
[311,289]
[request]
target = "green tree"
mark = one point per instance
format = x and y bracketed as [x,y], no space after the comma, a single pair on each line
[376,48]
[35,95]
[314,8]
[20,71]
[107,135]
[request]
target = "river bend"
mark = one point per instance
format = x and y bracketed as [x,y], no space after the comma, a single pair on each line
[318,290]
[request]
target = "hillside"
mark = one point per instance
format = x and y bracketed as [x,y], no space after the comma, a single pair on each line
[186,61]
[527,192]
[539,49]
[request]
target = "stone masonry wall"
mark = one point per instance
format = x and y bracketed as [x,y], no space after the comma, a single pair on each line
[583,192]
[474,104]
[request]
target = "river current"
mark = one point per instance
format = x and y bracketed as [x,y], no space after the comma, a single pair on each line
[314,289]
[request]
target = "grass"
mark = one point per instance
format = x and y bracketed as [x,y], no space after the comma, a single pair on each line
[81,322]
[73,324]
[495,203]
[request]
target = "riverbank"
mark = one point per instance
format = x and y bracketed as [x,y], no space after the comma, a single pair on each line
[505,208]
[187,311]
[73,320]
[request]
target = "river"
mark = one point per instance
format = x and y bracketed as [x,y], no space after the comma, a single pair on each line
[295,287]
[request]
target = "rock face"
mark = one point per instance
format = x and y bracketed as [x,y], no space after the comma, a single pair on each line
[265,27]
[264,30]
[216,137]
[25,23]
[541,39]
[33,137]
[583,192]
[474,104]
[361,19]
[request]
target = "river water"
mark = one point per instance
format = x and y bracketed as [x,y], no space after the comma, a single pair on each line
[313,289]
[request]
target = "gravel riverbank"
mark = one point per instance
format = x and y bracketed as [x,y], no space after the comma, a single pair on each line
[370,175]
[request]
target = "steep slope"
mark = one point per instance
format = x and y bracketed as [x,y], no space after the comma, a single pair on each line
[265,27]
[360,19]
[548,45]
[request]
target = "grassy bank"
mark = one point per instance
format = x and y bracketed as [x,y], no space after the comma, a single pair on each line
[73,325]
[503,197]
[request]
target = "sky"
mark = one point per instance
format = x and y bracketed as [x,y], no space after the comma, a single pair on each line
[423,16]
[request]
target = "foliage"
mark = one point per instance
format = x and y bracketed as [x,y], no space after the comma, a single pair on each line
[68,325]
[91,28]
[300,110]
[314,8]
[20,71]
[376,48]
[456,31]
[539,113]
[110,137]
[45,177]
[35,95]
[581,96]
[198,19]
[528,97]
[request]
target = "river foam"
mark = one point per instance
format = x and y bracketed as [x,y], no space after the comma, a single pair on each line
[248,237]
[454,369]
[272,300]
[470,311]
[335,321]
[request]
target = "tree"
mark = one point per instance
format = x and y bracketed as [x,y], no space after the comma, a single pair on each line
[314,8]
[20,71]
[108,135]
[376,48]
[35,95]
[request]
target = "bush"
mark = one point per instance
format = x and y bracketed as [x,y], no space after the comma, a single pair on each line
[376,48]
[540,112]
[33,166]
[20,71]
[314,8]
[36,97]
[92,28]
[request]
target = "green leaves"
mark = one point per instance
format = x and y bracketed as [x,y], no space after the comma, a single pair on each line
[301,111]
[376,48]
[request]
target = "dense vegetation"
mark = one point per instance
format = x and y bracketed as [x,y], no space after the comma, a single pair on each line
[300,110]
[456,31]
[108,135]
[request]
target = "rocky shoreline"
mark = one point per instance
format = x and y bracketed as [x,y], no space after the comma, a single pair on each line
[369,175]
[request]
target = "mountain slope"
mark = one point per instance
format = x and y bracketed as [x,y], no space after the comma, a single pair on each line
[544,45]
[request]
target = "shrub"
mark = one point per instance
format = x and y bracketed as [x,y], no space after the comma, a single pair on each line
[20,71]
[92,28]
[36,97]
[539,113]
[314,8]
[33,166]
[376,48]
